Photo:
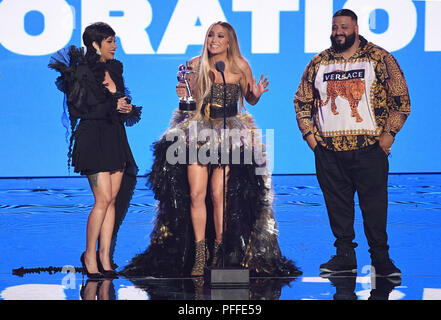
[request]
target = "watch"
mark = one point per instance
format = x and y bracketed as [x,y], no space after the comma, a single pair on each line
[393,134]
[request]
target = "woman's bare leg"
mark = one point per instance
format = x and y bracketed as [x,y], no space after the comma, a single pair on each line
[100,184]
[217,192]
[109,221]
[198,179]
[90,290]
[104,291]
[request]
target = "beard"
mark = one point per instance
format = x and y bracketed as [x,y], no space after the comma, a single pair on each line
[341,47]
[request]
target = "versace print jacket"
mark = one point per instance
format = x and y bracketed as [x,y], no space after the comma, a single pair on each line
[347,104]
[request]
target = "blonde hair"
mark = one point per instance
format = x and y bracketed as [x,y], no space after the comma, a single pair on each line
[203,81]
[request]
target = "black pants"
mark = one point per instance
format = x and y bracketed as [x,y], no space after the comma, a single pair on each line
[342,173]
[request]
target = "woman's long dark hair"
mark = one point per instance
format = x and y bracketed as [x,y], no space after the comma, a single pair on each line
[95,32]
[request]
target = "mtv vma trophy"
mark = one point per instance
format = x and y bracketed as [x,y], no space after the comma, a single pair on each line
[186,103]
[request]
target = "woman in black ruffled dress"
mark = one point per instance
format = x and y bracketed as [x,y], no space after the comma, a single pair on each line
[98,106]
[189,228]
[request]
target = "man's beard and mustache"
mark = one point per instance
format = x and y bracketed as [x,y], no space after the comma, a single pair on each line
[341,47]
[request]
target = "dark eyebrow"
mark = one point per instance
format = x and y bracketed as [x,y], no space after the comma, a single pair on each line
[342,25]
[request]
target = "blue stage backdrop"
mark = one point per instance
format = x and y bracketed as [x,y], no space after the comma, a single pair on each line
[278,37]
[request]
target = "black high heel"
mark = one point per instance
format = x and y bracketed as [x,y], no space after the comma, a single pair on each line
[97,275]
[108,274]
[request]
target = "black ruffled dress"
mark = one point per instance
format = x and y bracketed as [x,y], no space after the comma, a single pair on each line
[96,128]
[99,139]
[250,235]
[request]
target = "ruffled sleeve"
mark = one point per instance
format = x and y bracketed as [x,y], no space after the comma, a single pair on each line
[134,116]
[77,81]
[116,69]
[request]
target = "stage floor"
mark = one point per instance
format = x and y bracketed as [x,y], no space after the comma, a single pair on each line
[42,230]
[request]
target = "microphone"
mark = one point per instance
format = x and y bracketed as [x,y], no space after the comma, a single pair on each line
[226,276]
[220,66]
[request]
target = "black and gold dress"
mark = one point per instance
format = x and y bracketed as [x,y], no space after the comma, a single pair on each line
[250,234]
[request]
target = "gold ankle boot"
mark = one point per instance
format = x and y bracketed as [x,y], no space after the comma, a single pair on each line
[199,260]
[216,253]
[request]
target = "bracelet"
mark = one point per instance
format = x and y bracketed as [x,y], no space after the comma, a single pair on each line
[306,135]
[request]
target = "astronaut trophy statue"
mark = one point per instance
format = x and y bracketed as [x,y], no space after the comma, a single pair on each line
[186,103]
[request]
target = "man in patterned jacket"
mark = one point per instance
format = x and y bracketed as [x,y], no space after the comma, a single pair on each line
[350,104]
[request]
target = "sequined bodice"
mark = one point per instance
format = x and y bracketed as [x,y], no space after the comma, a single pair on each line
[217,94]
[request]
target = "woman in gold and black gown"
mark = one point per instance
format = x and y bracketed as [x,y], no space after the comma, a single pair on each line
[189,235]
